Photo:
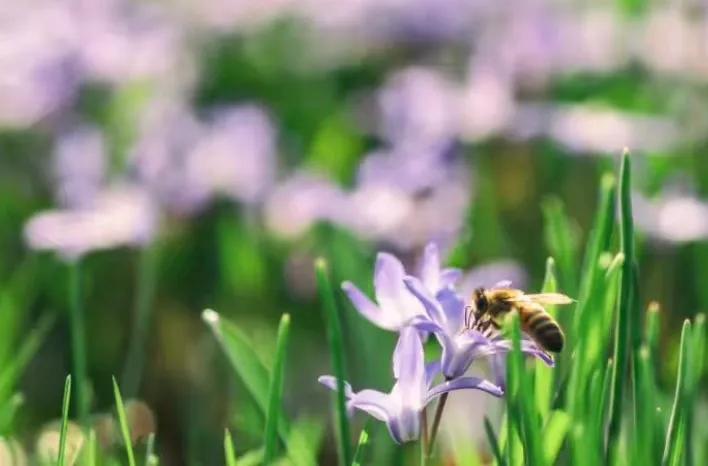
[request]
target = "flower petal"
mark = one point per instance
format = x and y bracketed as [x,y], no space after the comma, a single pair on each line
[449,277]
[430,268]
[462,383]
[330,382]
[373,402]
[366,307]
[453,307]
[433,309]
[409,368]
[395,301]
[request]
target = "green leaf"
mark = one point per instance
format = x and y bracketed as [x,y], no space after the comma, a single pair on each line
[695,365]
[336,347]
[598,243]
[150,456]
[12,370]
[646,408]
[229,452]
[520,396]
[544,375]
[674,445]
[562,242]
[91,454]
[64,421]
[361,448]
[304,441]
[239,351]
[275,397]
[493,443]
[624,319]
[554,435]
[123,423]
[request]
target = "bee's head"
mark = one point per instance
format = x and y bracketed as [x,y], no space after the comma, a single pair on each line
[481,302]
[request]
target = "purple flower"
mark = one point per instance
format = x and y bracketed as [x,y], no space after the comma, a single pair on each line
[79,166]
[395,306]
[120,216]
[400,409]
[433,277]
[461,343]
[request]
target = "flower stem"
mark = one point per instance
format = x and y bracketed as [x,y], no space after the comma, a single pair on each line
[145,292]
[78,341]
[425,441]
[436,422]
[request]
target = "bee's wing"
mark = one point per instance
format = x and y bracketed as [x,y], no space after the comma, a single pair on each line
[549,298]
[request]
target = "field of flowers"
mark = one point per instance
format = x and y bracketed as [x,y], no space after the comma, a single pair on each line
[242,232]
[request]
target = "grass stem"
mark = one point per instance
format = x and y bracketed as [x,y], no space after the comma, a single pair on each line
[436,422]
[78,341]
[143,304]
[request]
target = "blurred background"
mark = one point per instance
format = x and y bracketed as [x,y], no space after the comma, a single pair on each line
[190,154]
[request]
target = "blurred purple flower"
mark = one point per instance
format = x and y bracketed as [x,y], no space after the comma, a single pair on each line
[589,129]
[409,196]
[165,136]
[40,72]
[418,107]
[186,162]
[461,342]
[126,41]
[120,216]
[489,274]
[301,201]
[79,166]
[401,408]
[236,155]
[675,217]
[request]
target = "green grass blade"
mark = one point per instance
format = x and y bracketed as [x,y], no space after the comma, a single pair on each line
[150,456]
[78,340]
[229,452]
[493,442]
[10,373]
[275,392]
[673,446]
[562,242]
[123,424]
[64,421]
[544,375]
[652,327]
[146,284]
[520,396]
[361,448]
[598,243]
[697,351]
[336,345]
[244,360]
[554,434]
[91,455]
[624,320]
[646,408]
[304,441]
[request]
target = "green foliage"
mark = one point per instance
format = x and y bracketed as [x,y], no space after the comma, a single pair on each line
[229,452]
[246,363]
[64,421]
[123,424]
[336,344]
[275,392]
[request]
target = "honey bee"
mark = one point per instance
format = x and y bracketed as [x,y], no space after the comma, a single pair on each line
[490,305]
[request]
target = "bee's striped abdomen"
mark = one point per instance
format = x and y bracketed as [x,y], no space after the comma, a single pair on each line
[540,326]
